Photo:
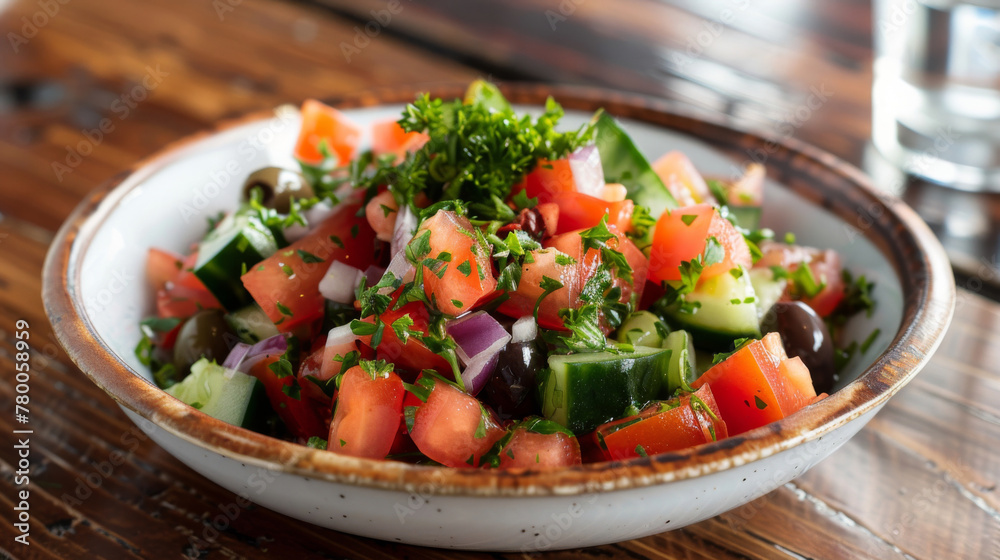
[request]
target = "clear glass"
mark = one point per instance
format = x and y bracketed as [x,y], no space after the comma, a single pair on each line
[936,93]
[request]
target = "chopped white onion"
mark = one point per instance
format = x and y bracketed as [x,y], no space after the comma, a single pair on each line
[340,335]
[588,173]
[340,282]
[402,231]
[400,267]
[525,329]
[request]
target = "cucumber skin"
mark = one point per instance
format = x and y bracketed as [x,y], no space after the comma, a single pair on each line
[600,391]
[682,362]
[220,263]
[624,163]
[257,406]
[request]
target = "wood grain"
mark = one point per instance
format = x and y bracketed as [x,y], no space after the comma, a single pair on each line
[921,481]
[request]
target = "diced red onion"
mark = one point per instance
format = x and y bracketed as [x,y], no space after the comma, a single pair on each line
[402,231]
[525,329]
[588,174]
[340,282]
[243,358]
[477,334]
[478,372]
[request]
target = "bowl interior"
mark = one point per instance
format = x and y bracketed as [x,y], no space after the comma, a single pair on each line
[168,205]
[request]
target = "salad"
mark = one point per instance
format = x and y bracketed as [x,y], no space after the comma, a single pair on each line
[481,288]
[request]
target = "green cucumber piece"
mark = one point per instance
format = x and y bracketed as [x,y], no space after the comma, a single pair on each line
[624,163]
[768,289]
[239,400]
[583,391]
[682,362]
[236,244]
[251,324]
[642,328]
[722,309]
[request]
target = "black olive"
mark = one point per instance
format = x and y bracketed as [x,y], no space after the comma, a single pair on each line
[277,187]
[804,334]
[511,390]
[205,335]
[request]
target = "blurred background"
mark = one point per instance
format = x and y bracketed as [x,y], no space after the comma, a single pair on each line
[161,69]
[88,88]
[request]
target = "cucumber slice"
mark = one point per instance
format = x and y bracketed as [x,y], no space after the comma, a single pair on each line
[583,391]
[624,163]
[237,243]
[251,324]
[725,310]
[682,362]
[768,289]
[239,400]
[642,328]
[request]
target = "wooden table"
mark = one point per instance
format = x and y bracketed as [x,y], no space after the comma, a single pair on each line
[920,481]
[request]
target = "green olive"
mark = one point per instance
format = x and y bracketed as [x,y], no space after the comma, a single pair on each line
[205,335]
[278,186]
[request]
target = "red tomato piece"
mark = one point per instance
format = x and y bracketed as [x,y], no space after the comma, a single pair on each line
[287,287]
[182,301]
[581,211]
[390,138]
[321,122]
[547,179]
[446,425]
[162,267]
[412,356]
[368,414]
[752,389]
[682,179]
[544,265]
[825,266]
[312,368]
[676,424]
[381,212]
[531,450]
[550,216]
[681,235]
[467,275]
[301,416]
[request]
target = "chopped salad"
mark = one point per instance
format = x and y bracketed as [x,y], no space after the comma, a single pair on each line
[480,288]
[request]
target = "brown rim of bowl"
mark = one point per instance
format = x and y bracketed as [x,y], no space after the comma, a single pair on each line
[915,254]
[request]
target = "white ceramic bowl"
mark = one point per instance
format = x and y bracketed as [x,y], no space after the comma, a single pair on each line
[95,294]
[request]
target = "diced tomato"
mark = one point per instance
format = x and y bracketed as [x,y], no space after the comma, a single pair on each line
[682,179]
[825,266]
[451,427]
[581,211]
[182,301]
[412,357]
[748,190]
[321,122]
[550,216]
[312,368]
[677,424]
[465,275]
[381,212]
[162,267]
[681,235]
[547,179]
[527,449]
[302,418]
[571,243]
[368,414]
[544,264]
[286,284]
[752,389]
[390,138]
